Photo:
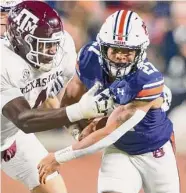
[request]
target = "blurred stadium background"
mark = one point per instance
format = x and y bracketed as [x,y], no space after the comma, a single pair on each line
[166,23]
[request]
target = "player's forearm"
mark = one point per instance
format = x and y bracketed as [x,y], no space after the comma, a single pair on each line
[37,120]
[88,107]
[94,137]
[111,126]
[105,136]
[99,139]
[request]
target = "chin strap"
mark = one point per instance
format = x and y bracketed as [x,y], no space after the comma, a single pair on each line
[45,67]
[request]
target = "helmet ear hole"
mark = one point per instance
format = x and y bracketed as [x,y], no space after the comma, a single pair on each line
[138,51]
[22,47]
[104,50]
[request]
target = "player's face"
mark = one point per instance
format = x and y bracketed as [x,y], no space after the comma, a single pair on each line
[121,55]
[50,49]
[3,22]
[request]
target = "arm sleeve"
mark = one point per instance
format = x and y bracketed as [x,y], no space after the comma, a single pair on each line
[68,153]
[114,136]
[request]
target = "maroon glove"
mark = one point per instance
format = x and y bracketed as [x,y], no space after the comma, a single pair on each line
[10,152]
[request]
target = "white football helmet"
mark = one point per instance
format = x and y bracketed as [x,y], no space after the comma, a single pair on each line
[6,5]
[122,29]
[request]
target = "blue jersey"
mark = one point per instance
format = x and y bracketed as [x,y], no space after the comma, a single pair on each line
[145,83]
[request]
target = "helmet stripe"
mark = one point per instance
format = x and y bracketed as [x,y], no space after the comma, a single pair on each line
[127,28]
[115,26]
[121,25]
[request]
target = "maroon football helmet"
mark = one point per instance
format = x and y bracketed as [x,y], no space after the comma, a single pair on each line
[33,28]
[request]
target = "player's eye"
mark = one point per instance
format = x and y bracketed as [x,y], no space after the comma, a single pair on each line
[41,46]
[116,50]
[52,44]
[49,45]
[122,50]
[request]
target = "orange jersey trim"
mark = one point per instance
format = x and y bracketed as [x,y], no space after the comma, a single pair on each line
[150,92]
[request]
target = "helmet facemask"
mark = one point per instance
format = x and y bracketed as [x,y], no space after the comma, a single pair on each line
[40,55]
[118,70]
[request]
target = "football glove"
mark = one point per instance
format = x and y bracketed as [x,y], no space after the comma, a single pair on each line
[90,106]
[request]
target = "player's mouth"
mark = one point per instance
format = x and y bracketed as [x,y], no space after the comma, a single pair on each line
[47,59]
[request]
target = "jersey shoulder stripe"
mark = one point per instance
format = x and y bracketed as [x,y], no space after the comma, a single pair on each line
[89,48]
[153,85]
[148,98]
[150,91]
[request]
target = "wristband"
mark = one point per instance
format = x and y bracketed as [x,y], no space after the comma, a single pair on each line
[64,155]
[73,113]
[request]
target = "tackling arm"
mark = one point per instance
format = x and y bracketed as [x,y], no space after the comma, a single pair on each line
[72,94]
[35,120]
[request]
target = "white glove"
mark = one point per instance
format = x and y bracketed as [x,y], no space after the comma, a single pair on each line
[167,98]
[90,106]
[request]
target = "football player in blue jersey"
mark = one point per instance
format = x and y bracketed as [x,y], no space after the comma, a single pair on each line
[137,135]
[35,32]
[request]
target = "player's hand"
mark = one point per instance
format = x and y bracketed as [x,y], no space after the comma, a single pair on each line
[97,123]
[47,166]
[51,103]
[94,106]
[87,131]
[91,106]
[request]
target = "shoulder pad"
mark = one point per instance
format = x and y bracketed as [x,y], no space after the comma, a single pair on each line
[147,74]
[88,66]
[87,50]
[88,58]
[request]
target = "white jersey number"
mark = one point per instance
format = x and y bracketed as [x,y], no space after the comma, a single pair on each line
[148,68]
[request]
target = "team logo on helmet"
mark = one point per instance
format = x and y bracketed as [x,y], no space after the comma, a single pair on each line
[26,21]
[119,42]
